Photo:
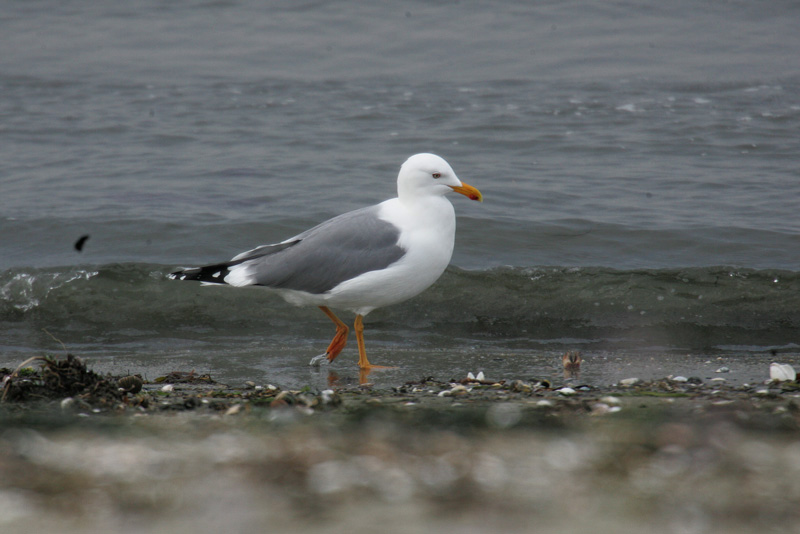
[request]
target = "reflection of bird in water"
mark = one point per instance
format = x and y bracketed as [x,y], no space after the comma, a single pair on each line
[572,363]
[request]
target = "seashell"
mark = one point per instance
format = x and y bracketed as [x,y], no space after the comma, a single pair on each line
[781,372]
[542,384]
[130,384]
[459,390]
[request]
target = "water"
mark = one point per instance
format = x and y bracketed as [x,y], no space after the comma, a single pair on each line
[639,167]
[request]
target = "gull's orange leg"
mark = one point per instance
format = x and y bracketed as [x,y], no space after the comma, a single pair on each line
[363,362]
[340,339]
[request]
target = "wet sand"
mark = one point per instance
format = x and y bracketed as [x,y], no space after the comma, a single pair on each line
[187,454]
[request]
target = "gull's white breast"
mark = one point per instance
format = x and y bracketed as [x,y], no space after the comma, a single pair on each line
[427,233]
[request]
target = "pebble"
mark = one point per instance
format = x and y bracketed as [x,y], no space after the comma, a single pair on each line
[628,382]
[308,400]
[283,395]
[168,388]
[566,391]
[458,391]
[521,387]
[723,370]
[544,403]
[679,379]
[601,408]
[329,397]
[611,401]
[233,410]
[504,415]
[718,379]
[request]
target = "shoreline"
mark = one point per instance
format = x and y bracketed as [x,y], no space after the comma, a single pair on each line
[187,454]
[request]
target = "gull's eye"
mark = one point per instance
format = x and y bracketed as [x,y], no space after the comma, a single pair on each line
[437,175]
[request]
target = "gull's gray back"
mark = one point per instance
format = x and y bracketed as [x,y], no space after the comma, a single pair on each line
[319,259]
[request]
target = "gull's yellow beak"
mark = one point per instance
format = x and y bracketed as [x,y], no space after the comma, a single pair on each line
[468,191]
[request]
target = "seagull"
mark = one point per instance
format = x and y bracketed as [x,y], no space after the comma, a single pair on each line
[361,260]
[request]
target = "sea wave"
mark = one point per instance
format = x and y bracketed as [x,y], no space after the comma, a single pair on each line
[696,308]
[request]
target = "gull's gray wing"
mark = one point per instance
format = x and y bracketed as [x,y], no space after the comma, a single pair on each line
[328,254]
[315,261]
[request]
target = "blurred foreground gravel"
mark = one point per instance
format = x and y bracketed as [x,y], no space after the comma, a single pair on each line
[427,457]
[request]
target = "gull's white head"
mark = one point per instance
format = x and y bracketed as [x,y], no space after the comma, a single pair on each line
[425,175]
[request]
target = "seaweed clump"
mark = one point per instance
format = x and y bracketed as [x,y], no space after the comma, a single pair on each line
[58,379]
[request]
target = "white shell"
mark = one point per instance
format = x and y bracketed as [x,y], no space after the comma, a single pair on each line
[782,372]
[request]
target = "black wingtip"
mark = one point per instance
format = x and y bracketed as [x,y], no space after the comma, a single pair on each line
[177,275]
[213,274]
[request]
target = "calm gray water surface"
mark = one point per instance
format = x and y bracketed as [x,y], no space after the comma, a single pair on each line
[640,140]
